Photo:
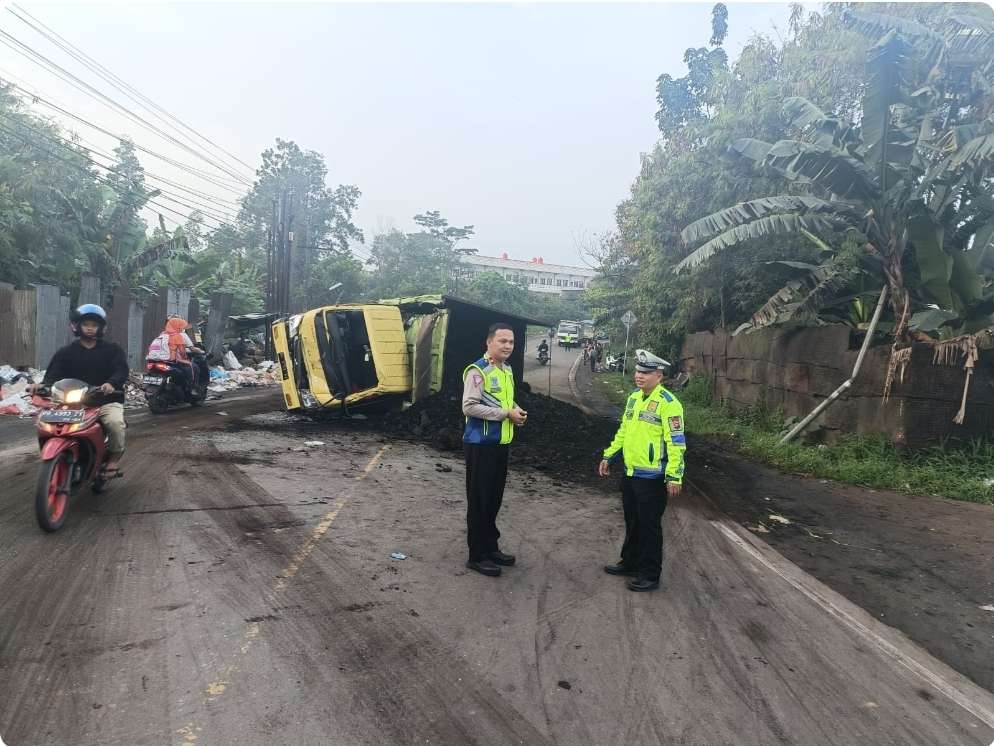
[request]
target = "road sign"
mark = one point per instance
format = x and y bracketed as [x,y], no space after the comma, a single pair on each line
[628,319]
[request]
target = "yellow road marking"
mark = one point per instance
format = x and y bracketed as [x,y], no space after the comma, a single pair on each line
[217,688]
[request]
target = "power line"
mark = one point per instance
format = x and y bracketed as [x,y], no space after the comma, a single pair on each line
[206,209]
[41,60]
[128,90]
[47,102]
[211,209]
[98,177]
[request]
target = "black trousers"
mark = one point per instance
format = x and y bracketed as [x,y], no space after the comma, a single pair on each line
[644,502]
[486,474]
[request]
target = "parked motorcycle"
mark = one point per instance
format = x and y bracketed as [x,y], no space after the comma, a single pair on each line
[73,447]
[613,363]
[166,384]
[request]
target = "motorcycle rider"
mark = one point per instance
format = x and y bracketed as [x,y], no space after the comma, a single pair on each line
[543,348]
[180,347]
[98,363]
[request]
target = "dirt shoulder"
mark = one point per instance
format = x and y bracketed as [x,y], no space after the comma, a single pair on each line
[923,565]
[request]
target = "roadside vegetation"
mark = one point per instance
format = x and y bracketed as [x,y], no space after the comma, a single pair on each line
[956,471]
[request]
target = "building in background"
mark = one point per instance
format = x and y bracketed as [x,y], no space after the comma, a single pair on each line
[539,277]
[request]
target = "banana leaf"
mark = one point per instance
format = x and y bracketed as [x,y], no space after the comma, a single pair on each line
[830,168]
[746,212]
[770,225]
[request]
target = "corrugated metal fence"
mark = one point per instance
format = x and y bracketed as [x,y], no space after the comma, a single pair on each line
[34,322]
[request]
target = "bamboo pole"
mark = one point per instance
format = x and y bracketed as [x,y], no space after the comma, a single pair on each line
[849,381]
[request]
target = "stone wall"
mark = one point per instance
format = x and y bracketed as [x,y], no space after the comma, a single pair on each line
[794,368]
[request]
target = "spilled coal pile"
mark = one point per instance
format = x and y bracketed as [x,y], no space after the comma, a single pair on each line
[559,438]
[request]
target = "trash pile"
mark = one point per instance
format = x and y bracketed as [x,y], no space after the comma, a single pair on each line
[234,375]
[14,397]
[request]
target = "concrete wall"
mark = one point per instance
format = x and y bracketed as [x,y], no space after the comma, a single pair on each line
[795,368]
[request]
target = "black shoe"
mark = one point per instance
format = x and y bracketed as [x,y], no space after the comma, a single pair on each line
[620,569]
[499,558]
[643,584]
[484,567]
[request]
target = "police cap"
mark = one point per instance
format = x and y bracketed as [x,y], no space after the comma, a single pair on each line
[646,362]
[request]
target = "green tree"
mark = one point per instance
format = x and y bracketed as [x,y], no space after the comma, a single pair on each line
[424,262]
[913,179]
[322,217]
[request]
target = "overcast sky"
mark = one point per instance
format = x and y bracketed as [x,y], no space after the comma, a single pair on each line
[525,120]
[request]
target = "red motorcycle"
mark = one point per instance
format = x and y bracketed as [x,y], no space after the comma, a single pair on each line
[73,447]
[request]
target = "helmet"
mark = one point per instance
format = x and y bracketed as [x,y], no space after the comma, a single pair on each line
[91,312]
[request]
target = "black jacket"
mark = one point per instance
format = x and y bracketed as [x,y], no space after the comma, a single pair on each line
[105,363]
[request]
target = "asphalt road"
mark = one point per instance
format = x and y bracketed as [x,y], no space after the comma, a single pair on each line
[236,586]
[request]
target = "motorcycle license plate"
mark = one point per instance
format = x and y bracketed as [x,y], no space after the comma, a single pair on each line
[63,416]
[153,380]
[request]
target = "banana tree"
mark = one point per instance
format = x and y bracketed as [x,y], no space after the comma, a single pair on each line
[913,178]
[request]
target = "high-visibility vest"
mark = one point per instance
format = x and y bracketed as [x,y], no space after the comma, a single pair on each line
[651,437]
[498,391]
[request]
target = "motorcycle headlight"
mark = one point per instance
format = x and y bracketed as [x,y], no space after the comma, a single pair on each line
[75,396]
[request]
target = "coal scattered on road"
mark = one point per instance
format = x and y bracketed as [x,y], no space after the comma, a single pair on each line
[559,439]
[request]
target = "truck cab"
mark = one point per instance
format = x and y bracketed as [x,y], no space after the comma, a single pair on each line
[568,334]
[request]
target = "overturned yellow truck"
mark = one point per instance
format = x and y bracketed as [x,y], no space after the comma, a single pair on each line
[344,356]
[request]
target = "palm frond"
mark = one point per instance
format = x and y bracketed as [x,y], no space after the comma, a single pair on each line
[746,212]
[804,116]
[750,149]
[801,299]
[770,225]
[876,25]
[834,170]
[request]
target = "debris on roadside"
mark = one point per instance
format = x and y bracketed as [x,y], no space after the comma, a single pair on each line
[14,397]
[313,443]
[230,378]
[398,556]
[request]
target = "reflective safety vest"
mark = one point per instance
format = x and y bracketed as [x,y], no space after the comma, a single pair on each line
[651,437]
[498,391]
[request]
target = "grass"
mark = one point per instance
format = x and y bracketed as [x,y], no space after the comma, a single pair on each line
[960,472]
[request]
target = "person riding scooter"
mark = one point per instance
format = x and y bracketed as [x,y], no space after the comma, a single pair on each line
[542,354]
[99,363]
[179,346]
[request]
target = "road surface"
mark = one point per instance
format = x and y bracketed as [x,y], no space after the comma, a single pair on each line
[237,587]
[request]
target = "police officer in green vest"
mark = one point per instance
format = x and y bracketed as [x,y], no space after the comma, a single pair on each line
[491,416]
[652,443]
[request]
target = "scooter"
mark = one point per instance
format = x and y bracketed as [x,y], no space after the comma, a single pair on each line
[542,357]
[166,383]
[73,447]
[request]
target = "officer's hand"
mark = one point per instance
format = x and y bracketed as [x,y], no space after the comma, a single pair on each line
[107,388]
[604,468]
[518,416]
[673,489]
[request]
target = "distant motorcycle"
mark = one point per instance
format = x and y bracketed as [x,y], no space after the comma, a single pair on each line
[613,363]
[73,447]
[166,383]
[542,357]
